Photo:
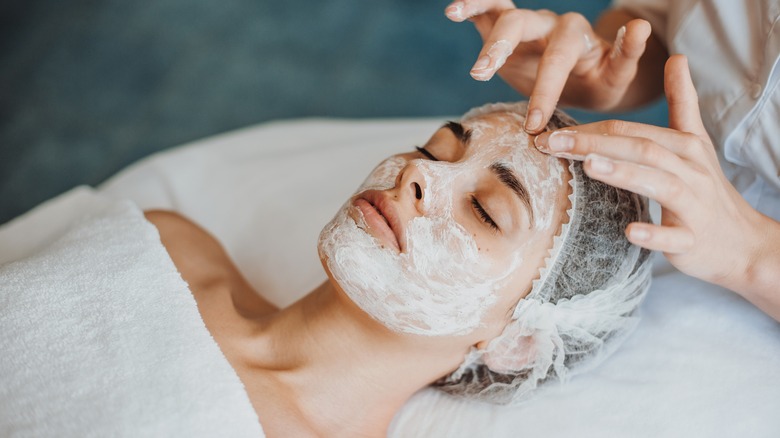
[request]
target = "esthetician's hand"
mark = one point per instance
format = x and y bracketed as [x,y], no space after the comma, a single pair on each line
[550,57]
[707,229]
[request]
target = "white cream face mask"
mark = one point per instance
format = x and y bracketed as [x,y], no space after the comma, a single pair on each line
[440,284]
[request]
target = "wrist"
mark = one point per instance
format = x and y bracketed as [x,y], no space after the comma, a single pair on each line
[759,279]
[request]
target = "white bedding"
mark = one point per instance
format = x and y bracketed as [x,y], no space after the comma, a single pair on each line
[703,362]
[102,337]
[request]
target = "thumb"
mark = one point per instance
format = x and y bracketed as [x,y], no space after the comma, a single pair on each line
[629,46]
[683,101]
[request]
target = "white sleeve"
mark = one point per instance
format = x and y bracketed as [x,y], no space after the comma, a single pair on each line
[654,11]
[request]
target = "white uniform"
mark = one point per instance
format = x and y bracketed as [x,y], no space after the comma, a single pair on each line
[733,47]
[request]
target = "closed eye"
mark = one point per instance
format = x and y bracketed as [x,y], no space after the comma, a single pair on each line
[483,215]
[426,153]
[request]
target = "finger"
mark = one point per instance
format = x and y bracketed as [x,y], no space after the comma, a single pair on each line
[567,44]
[629,45]
[576,146]
[675,141]
[511,28]
[665,187]
[681,95]
[670,240]
[462,10]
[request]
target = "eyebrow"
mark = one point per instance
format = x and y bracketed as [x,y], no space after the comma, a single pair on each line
[462,134]
[506,176]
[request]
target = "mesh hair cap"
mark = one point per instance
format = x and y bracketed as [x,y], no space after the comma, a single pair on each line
[583,304]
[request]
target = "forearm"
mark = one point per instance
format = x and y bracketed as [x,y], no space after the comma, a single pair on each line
[759,281]
[648,84]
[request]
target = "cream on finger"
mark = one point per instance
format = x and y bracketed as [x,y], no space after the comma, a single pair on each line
[493,60]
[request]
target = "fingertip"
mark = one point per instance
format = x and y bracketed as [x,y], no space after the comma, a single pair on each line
[641,29]
[534,121]
[676,63]
[598,166]
[492,58]
[482,69]
[638,234]
[541,142]
[678,83]
[482,76]
[455,12]
[631,40]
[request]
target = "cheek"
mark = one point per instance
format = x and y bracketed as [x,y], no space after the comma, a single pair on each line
[508,293]
[442,182]
[497,256]
[384,175]
[515,264]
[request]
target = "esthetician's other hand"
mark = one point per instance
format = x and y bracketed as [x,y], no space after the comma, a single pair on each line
[551,57]
[707,229]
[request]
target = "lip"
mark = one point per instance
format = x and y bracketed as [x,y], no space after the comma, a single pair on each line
[381,216]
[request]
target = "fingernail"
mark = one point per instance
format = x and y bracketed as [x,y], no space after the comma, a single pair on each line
[588,42]
[639,234]
[482,63]
[540,141]
[561,141]
[480,71]
[455,11]
[534,120]
[500,51]
[599,164]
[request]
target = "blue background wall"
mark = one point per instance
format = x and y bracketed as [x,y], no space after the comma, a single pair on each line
[89,86]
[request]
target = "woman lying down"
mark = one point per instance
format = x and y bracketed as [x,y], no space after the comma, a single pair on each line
[474,263]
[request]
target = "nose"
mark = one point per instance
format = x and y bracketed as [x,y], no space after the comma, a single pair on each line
[411,185]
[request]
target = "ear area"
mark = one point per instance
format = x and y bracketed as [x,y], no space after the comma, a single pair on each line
[509,354]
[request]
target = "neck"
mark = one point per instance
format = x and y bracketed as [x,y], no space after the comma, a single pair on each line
[344,372]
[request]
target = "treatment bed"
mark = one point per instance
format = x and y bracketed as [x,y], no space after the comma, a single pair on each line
[702,362]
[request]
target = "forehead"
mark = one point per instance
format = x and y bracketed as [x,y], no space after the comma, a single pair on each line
[500,136]
[498,122]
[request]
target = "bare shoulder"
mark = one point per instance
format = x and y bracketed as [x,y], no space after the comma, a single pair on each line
[173,222]
[200,258]
[177,233]
[202,261]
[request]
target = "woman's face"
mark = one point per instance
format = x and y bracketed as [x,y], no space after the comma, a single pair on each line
[446,240]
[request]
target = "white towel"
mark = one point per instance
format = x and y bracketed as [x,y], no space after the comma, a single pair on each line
[102,337]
